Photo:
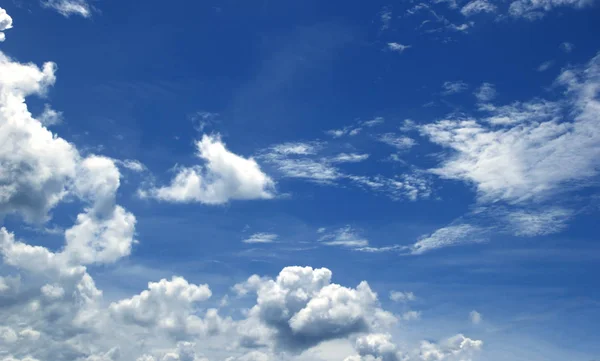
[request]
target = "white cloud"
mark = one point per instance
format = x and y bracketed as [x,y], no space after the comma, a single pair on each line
[411,315]
[478,6]
[456,348]
[225,176]
[386,18]
[475,317]
[532,223]
[50,116]
[132,164]
[5,23]
[535,9]
[400,142]
[567,47]
[398,296]
[545,66]
[69,7]
[344,237]
[528,159]
[397,47]
[261,238]
[447,236]
[349,158]
[485,93]
[454,87]
[355,129]
[303,308]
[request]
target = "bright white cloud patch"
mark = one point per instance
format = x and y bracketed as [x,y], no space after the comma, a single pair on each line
[69,7]
[261,238]
[397,47]
[5,23]
[398,141]
[544,147]
[225,176]
[345,237]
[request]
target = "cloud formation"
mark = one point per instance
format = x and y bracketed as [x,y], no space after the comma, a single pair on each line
[69,7]
[225,176]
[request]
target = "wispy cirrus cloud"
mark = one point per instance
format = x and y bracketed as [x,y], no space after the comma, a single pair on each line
[69,7]
[261,238]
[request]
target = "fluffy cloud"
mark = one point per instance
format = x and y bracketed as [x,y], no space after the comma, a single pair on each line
[398,296]
[303,308]
[69,7]
[5,23]
[165,305]
[225,176]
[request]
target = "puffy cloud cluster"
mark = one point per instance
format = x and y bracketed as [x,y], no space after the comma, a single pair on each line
[5,23]
[303,308]
[225,176]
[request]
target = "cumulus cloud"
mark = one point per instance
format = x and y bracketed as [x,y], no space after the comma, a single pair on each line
[261,238]
[5,23]
[69,7]
[225,176]
[544,147]
[303,308]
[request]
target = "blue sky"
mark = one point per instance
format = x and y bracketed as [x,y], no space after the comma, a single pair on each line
[445,152]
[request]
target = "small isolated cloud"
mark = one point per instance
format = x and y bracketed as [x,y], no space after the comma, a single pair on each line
[397,47]
[454,87]
[344,237]
[485,93]
[69,7]
[567,47]
[411,315]
[225,176]
[349,158]
[261,238]
[448,236]
[398,296]
[386,18]
[399,142]
[478,6]
[5,23]
[545,66]
[475,317]
[133,165]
